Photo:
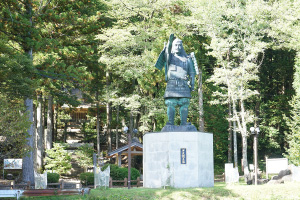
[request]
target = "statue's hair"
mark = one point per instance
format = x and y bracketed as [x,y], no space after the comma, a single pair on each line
[177,40]
[182,50]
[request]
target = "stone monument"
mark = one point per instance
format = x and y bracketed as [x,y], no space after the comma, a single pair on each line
[178,156]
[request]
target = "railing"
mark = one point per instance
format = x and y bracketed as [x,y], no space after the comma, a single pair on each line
[11,189]
[220,178]
[138,181]
[12,185]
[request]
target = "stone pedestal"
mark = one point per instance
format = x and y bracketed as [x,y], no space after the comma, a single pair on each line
[178,159]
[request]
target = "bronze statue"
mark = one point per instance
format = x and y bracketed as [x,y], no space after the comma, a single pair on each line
[180,71]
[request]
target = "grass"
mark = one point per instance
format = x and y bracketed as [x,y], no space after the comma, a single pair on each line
[221,191]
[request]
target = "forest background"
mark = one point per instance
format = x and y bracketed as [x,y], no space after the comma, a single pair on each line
[247,52]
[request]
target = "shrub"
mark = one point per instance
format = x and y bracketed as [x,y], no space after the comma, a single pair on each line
[84,156]
[119,173]
[58,159]
[52,178]
[87,178]
[116,173]
[134,174]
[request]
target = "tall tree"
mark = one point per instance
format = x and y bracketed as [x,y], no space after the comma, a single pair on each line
[236,33]
[55,36]
[292,150]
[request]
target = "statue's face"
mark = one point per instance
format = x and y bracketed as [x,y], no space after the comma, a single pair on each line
[177,47]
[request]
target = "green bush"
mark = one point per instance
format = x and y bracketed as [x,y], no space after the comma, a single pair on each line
[134,174]
[52,178]
[87,178]
[58,159]
[119,173]
[116,173]
[84,156]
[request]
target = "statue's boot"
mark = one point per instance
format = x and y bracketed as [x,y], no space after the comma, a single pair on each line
[171,115]
[183,115]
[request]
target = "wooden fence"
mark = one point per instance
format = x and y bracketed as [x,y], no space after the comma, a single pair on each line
[220,178]
[12,185]
[61,185]
[138,181]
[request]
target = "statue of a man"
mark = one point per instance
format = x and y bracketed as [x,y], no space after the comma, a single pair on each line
[180,71]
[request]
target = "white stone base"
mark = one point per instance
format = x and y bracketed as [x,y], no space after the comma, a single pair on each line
[162,160]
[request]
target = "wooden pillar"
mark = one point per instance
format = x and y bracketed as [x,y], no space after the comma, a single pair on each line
[28,185]
[125,182]
[12,185]
[110,182]
[119,156]
[138,182]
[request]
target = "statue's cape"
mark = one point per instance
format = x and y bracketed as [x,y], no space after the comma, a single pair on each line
[192,56]
[161,61]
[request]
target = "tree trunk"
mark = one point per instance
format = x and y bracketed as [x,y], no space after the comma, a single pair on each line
[28,166]
[229,133]
[129,149]
[244,138]
[98,125]
[154,124]
[245,160]
[34,136]
[137,121]
[235,145]
[117,127]
[39,135]
[200,94]
[55,124]
[108,113]
[49,123]
[108,119]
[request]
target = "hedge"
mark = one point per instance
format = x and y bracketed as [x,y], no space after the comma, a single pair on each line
[116,173]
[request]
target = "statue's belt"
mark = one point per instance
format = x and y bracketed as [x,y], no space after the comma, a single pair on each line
[178,82]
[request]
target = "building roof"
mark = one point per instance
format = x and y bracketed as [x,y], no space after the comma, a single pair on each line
[136,146]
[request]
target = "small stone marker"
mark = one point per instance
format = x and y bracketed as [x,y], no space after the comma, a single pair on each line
[231,173]
[40,180]
[102,177]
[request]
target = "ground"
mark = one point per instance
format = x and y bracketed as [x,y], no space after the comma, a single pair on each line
[221,191]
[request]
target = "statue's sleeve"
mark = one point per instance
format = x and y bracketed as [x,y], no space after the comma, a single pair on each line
[161,61]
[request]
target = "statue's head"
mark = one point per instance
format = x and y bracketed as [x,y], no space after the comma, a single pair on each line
[177,47]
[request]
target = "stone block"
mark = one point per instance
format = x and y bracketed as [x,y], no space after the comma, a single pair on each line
[163,161]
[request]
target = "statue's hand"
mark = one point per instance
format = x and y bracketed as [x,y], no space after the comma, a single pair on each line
[172,37]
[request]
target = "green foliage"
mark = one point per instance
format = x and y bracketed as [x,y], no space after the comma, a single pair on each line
[89,130]
[87,178]
[52,177]
[16,71]
[293,121]
[84,155]
[13,128]
[62,114]
[119,173]
[58,159]
[276,88]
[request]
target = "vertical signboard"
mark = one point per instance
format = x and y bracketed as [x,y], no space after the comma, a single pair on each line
[183,155]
